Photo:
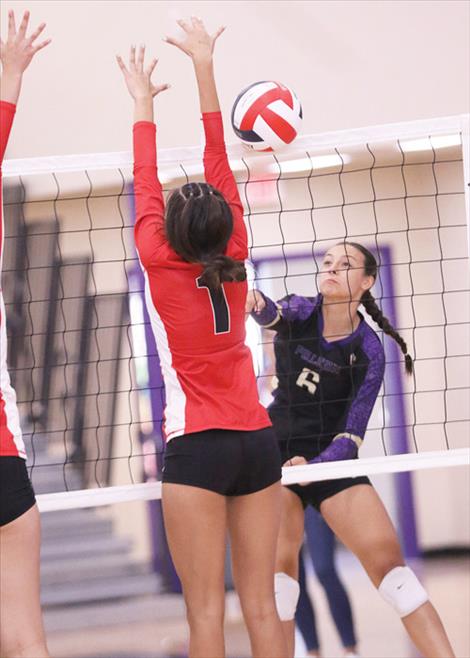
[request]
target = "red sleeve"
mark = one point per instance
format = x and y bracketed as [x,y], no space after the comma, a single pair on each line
[149,208]
[7,112]
[219,175]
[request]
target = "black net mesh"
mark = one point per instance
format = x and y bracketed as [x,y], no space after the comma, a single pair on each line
[81,353]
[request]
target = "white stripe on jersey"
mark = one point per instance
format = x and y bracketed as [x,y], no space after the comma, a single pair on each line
[7,391]
[175,422]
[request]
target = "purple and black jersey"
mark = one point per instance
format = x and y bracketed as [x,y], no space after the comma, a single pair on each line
[325,389]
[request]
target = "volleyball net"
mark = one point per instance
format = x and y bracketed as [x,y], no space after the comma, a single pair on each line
[81,351]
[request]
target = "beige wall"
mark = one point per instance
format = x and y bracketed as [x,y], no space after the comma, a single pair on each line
[352,63]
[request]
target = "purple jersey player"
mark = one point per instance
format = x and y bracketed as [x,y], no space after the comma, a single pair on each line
[330,366]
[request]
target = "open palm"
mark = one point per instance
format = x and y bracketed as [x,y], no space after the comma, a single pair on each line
[138,78]
[197,42]
[18,50]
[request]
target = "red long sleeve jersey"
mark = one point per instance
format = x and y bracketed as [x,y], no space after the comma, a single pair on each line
[11,441]
[207,368]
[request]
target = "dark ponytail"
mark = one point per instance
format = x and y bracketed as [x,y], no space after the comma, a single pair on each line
[198,225]
[222,268]
[370,305]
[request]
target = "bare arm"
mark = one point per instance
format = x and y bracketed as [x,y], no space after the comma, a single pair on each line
[16,54]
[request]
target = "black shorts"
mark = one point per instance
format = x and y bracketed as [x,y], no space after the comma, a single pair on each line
[314,494]
[16,492]
[228,462]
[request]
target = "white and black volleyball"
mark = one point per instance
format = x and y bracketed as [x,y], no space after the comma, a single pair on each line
[266,116]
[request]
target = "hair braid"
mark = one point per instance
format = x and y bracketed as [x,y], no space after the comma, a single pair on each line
[376,314]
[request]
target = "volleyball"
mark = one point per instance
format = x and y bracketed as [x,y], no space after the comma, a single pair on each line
[266,116]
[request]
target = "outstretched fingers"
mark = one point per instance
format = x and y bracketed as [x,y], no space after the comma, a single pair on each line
[184,25]
[172,41]
[132,65]
[35,34]
[41,45]
[23,25]
[217,33]
[151,67]
[160,88]
[140,59]
[197,22]
[11,25]
[121,64]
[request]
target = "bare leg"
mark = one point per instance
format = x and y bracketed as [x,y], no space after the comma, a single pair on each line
[357,516]
[195,523]
[290,540]
[21,628]
[253,522]
[425,628]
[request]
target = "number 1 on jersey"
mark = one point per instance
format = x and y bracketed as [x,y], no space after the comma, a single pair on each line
[220,309]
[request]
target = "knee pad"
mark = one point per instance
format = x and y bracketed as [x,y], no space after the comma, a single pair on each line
[286,591]
[401,588]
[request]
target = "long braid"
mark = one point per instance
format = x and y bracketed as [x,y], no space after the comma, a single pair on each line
[370,305]
[376,314]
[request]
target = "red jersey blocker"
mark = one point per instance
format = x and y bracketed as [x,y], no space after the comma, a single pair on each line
[207,368]
[16,492]
[219,436]
[11,441]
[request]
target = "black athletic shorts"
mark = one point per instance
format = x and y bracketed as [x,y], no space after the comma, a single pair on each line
[229,462]
[16,492]
[316,492]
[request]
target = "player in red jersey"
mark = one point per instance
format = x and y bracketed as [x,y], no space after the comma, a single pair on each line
[222,466]
[21,628]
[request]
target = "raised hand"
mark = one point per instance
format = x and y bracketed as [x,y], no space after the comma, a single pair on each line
[138,78]
[18,50]
[197,42]
[16,54]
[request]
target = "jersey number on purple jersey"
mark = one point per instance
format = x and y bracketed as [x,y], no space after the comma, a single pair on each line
[308,379]
[219,306]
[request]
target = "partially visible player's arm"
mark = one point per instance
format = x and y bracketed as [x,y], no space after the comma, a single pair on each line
[219,175]
[273,315]
[199,46]
[16,54]
[342,447]
[7,113]
[149,207]
[346,443]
